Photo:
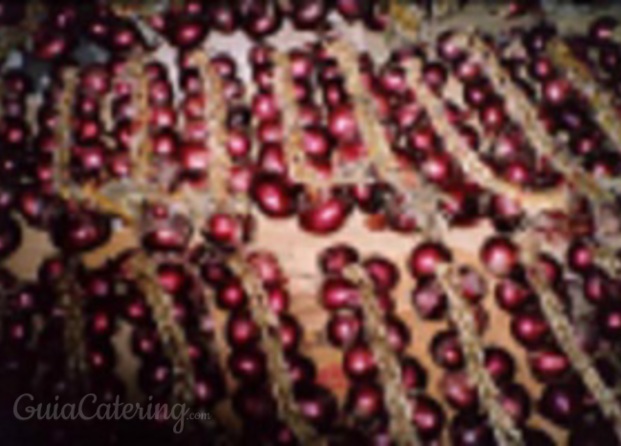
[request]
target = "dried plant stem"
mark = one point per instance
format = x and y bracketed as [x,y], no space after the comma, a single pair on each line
[73,334]
[107,113]
[424,201]
[125,200]
[398,405]
[62,155]
[141,147]
[504,427]
[215,114]
[278,370]
[171,333]
[520,108]
[601,101]
[607,256]
[370,129]
[104,204]
[406,19]
[284,89]
[476,169]
[129,8]
[420,197]
[206,298]
[564,333]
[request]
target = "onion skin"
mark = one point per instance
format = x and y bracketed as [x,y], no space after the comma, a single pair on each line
[325,217]
[309,14]
[350,9]
[273,196]
[259,18]
[223,17]
[80,231]
[336,258]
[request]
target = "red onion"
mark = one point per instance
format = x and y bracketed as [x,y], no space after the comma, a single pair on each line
[273,196]
[335,258]
[326,216]
[309,14]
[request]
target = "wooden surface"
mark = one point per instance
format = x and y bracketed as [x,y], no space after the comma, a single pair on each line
[297,252]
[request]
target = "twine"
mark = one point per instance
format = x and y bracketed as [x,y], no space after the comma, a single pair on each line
[171,333]
[520,109]
[277,368]
[564,334]
[505,430]
[469,161]
[399,407]
[600,101]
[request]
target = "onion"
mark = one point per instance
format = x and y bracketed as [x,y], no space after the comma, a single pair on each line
[309,14]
